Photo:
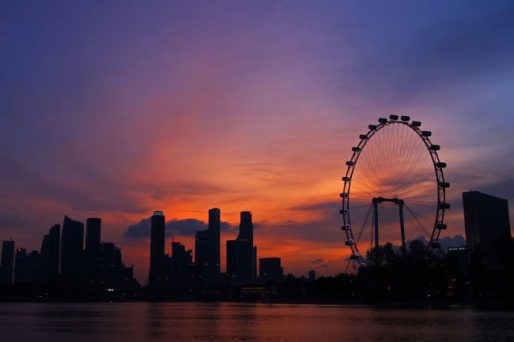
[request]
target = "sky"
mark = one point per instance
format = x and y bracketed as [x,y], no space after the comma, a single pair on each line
[114,109]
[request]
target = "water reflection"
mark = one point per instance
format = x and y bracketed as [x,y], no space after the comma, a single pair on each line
[129,322]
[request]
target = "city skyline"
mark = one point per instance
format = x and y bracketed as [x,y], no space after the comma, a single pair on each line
[116,110]
[83,253]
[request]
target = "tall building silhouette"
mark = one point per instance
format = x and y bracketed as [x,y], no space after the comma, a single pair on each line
[106,271]
[96,266]
[180,260]
[7,262]
[50,249]
[270,269]
[246,227]
[487,223]
[93,233]
[207,248]
[35,267]
[215,228]
[21,266]
[241,253]
[72,241]
[157,274]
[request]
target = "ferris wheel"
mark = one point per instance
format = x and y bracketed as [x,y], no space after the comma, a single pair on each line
[394,188]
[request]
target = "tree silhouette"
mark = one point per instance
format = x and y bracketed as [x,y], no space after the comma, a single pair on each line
[391,274]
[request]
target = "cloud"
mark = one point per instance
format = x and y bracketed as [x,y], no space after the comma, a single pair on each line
[327,206]
[449,241]
[184,227]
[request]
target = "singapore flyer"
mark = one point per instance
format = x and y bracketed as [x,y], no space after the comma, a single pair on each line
[394,190]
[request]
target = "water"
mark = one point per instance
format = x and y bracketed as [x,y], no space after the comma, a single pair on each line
[143,321]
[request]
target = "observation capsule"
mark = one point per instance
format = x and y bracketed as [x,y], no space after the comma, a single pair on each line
[372,127]
[405,118]
[435,147]
[426,133]
[416,123]
[393,117]
[444,205]
[441,226]
[363,136]
[382,120]
[444,184]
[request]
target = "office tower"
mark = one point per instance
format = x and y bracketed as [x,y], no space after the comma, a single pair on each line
[241,254]
[49,253]
[21,266]
[203,246]
[246,227]
[54,249]
[35,267]
[71,246]
[246,261]
[180,259]
[231,260]
[111,256]
[207,249]
[487,223]
[215,228]
[45,257]
[157,272]
[93,233]
[92,252]
[7,266]
[270,269]
[111,269]
[106,271]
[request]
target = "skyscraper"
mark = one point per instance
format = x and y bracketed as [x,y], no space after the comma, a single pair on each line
[241,254]
[93,233]
[246,227]
[21,266]
[207,248]
[50,253]
[486,220]
[71,246]
[157,272]
[180,259]
[215,228]
[54,248]
[270,269]
[7,266]
[246,258]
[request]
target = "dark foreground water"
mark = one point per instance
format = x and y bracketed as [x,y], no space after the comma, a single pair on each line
[143,321]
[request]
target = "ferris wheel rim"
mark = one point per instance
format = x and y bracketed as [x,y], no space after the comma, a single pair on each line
[438,166]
